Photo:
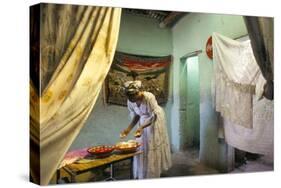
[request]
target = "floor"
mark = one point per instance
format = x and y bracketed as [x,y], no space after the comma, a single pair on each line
[184,164]
[187,164]
[261,164]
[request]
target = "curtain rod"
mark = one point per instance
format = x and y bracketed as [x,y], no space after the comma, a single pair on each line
[241,36]
[190,54]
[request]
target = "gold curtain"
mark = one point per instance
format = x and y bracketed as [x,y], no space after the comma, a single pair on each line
[78,60]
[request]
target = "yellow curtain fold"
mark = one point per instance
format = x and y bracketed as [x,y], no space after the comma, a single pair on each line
[71,93]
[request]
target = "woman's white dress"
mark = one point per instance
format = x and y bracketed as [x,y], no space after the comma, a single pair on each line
[156,155]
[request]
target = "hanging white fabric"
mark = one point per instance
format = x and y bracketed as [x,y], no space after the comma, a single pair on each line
[247,117]
[259,139]
[236,76]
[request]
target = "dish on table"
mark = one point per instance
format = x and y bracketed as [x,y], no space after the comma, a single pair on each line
[129,146]
[101,151]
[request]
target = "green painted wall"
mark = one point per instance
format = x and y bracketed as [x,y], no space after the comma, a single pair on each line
[193,100]
[138,35]
[189,103]
[141,35]
[103,125]
[190,34]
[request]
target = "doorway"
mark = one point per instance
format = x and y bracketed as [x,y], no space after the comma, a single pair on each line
[190,103]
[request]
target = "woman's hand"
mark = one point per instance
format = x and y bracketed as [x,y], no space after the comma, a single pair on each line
[139,132]
[124,133]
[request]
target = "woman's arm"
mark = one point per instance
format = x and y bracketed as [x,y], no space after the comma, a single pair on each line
[134,121]
[147,123]
[153,107]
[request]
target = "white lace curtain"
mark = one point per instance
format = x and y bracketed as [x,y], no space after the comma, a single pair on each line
[236,77]
[247,117]
[78,63]
[258,139]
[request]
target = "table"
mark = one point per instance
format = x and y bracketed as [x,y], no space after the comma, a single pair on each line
[75,169]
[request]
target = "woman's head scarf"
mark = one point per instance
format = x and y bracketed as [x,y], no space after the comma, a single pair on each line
[132,87]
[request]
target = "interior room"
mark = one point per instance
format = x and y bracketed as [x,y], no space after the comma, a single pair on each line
[203,136]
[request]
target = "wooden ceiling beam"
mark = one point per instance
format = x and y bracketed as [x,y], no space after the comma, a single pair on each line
[172,19]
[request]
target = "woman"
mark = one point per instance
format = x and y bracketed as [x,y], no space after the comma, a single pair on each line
[151,132]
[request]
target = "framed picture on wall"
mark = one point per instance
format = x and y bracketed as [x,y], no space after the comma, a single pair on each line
[152,71]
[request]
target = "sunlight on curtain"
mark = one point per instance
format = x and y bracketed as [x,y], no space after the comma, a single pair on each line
[70,93]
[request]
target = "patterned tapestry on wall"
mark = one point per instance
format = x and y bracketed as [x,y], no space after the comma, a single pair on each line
[152,71]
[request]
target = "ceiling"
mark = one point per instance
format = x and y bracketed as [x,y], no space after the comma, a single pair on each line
[166,19]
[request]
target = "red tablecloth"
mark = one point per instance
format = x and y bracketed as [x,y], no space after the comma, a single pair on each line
[72,156]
